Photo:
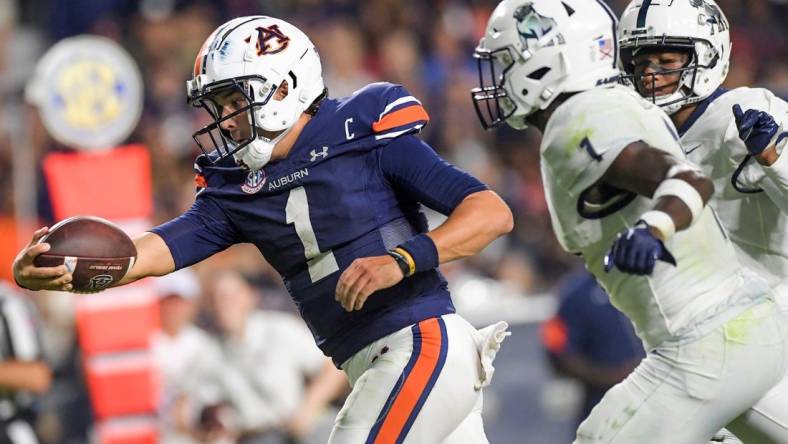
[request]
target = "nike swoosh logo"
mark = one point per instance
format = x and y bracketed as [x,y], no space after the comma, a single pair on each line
[692,148]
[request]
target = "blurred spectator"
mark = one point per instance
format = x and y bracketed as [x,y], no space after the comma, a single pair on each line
[341,45]
[23,373]
[777,78]
[268,356]
[590,340]
[187,357]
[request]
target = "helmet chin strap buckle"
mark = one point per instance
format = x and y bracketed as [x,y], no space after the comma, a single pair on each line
[255,155]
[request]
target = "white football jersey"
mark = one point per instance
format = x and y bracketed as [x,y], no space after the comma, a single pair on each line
[582,138]
[757,223]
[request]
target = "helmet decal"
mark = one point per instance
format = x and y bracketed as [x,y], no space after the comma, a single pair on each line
[265,35]
[714,17]
[224,49]
[606,47]
[531,25]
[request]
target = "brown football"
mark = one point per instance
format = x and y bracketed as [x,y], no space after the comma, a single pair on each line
[96,251]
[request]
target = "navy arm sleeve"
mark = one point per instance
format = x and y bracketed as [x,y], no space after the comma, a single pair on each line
[412,166]
[200,232]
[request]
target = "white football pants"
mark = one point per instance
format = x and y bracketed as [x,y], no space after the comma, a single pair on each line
[421,384]
[684,394]
[767,421]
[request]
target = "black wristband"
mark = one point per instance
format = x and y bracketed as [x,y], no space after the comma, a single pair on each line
[401,262]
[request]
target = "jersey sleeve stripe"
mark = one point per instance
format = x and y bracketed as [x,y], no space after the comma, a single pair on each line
[396,103]
[404,116]
[393,134]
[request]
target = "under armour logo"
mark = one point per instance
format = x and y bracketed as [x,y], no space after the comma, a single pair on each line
[315,154]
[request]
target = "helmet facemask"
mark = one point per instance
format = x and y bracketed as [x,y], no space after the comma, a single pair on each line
[256,98]
[688,73]
[491,99]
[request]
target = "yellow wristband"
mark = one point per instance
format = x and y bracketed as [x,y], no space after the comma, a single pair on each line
[409,258]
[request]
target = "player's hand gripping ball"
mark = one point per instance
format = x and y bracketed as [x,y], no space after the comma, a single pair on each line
[96,252]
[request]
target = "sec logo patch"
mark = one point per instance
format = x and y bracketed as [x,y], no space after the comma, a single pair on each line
[254,182]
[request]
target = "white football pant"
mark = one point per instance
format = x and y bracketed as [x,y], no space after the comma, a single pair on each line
[685,393]
[767,421]
[421,384]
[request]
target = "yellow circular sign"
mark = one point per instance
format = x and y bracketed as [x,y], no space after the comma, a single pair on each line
[88,91]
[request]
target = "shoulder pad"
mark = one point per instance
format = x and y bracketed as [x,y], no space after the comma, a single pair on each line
[753,98]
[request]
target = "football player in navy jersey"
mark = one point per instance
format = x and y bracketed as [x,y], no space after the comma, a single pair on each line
[329,190]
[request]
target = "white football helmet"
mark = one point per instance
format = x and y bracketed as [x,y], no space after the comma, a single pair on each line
[534,50]
[255,55]
[697,27]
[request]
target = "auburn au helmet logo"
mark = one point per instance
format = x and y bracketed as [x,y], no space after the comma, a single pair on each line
[270,40]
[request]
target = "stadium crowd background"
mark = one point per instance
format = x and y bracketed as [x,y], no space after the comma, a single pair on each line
[424,45]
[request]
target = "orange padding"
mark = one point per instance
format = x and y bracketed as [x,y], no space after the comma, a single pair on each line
[117,319]
[114,184]
[122,384]
[554,335]
[10,243]
[127,431]
[404,116]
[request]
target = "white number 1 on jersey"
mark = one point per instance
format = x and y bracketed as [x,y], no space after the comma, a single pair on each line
[297,212]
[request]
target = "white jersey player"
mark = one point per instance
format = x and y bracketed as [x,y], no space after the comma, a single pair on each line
[676,54]
[621,195]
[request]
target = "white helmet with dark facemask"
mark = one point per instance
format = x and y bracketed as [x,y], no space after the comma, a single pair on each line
[255,56]
[534,50]
[697,28]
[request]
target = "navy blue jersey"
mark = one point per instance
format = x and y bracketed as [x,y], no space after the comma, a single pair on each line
[350,187]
